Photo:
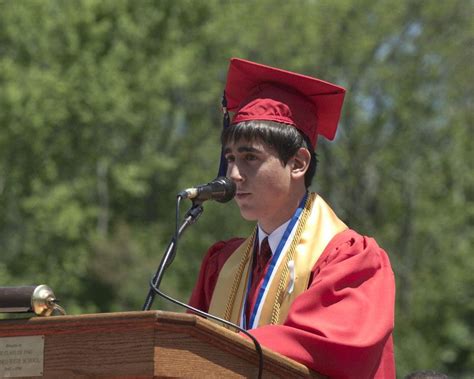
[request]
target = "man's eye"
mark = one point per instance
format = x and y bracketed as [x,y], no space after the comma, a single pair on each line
[230,158]
[250,157]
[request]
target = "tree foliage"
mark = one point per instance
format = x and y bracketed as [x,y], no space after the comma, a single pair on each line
[109,107]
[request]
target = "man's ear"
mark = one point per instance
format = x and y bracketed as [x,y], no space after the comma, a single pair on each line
[300,162]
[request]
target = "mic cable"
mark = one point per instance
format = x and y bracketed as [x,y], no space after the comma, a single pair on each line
[154,286]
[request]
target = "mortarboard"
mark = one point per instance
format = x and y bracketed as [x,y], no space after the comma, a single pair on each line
[258,92]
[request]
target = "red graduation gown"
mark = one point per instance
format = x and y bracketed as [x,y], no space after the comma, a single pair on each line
[341,326]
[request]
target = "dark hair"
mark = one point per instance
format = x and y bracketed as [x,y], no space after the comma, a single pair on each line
[284,138]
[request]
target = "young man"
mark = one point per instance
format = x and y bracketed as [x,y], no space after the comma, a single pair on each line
[304,284]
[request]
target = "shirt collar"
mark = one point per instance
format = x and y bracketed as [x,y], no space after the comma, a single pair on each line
[274,237]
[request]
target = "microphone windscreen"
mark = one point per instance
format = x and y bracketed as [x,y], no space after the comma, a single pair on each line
[229,189]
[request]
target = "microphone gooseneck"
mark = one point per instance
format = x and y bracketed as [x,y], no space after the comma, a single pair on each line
[221,189]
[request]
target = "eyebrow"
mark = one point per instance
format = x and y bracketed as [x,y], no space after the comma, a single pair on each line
[243,149]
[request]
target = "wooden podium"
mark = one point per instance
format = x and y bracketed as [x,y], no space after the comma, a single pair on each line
[152,344]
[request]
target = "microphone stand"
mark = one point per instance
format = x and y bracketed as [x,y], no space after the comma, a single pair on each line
[190,218]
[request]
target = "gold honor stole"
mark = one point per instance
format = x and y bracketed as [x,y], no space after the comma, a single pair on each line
[317,226]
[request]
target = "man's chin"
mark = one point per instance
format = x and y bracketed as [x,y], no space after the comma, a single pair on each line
[248,215]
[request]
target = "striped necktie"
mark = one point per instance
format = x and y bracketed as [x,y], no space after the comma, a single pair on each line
[258,273]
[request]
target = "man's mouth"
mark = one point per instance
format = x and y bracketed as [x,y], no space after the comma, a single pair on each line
[241,194]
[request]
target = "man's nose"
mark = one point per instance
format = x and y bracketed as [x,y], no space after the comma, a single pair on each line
[234,173]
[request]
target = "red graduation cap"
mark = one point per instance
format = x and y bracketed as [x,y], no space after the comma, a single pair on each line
[258,92]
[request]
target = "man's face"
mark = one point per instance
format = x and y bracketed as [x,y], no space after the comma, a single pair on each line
[263,182]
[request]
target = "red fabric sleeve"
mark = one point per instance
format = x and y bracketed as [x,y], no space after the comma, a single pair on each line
[211,265]
[341,326]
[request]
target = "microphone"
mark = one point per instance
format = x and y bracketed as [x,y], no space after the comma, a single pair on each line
[221,189]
